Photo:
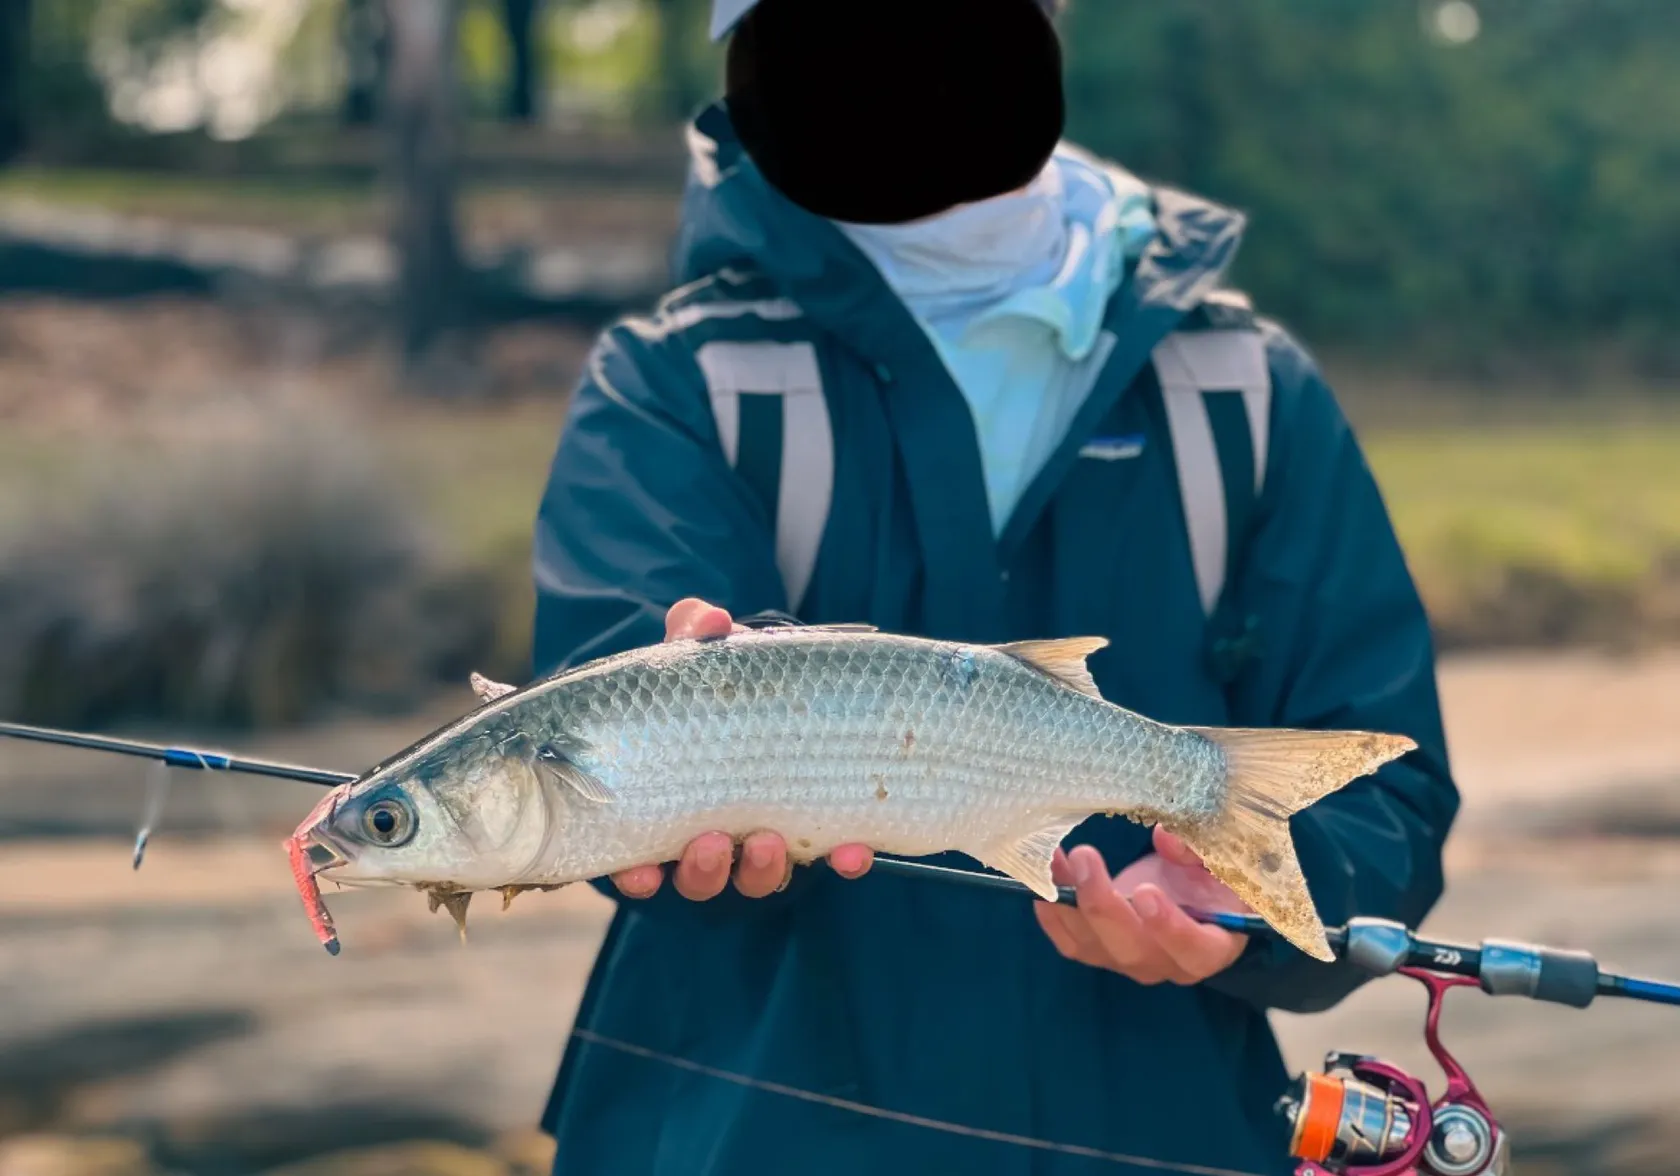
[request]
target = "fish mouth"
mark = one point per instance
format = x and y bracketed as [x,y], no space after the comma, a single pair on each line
[325,853]
[322,852]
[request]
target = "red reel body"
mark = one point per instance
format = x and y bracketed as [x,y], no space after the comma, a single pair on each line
[1365,1117]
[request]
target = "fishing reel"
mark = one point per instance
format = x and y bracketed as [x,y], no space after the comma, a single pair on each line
[1362,1116]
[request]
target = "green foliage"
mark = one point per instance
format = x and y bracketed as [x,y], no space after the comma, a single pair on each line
[1405,190]
[1451,201]
[59,76]
[607,52]
[485,57]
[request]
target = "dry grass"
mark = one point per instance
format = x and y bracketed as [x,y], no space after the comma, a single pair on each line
[1542,534]
[250,567]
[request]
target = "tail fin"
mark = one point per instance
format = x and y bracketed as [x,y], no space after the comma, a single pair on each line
[1271,775]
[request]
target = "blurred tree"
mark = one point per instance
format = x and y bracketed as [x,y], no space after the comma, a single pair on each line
[422,124]
[684,82]
[1450,179]
[366,47]
[523,83]
[1433,178]
[14,70]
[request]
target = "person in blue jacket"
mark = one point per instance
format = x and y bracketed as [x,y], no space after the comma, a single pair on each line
[931,368]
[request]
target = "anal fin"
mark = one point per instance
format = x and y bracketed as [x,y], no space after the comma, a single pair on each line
[1027,859]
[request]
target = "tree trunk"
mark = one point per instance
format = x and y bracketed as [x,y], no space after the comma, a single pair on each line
[421,124]
[14,65]
[523,81]
[366,46]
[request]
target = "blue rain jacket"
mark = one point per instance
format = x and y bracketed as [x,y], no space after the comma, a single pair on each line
[921,998]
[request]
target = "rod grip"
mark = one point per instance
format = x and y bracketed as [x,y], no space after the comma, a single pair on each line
[1550,974]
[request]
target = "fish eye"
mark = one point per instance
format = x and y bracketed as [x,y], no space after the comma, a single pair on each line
[388,822]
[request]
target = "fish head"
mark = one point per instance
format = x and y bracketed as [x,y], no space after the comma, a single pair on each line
[463,821]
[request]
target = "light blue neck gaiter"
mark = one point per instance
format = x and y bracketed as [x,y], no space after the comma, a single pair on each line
[1012,292]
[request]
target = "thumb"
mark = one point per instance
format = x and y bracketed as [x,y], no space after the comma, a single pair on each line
[1172,847]
[693,618]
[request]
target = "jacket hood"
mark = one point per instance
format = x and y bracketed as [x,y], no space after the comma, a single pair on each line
[732,217]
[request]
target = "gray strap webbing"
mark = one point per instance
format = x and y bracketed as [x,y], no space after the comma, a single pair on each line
[805,481]
[1191,365]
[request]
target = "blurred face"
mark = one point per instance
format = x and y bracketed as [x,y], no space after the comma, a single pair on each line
[889,111]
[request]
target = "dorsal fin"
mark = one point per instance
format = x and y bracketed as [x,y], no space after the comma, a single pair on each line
[487,690]
[1063,659]
[777,624]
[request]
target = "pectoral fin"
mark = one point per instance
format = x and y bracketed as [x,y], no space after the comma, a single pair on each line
[1027,859]
[554,763]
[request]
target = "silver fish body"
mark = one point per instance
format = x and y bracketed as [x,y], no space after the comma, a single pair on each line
[826,737]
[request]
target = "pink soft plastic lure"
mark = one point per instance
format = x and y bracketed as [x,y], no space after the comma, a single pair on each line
[303,873]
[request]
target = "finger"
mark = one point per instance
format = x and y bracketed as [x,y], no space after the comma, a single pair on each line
[692,619]
[1061,872]
[1071,916]
[1197,950]
[764,865]
[1052,917]
[1173,848]
[1115,925]
[704,869]
[639,881]
[851,861]
[1062,921]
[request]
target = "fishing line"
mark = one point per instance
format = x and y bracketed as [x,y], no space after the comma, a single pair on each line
[846,1104]
[158,779]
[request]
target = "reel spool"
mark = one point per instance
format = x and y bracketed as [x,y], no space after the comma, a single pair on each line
[1362,1116]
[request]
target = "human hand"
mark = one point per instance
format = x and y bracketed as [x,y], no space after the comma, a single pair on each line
[1149,938]
[704,869]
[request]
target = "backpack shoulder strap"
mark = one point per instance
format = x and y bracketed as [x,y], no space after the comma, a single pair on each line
[1217,389]
[773,423]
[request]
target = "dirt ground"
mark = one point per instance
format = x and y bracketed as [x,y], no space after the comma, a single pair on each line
[183,1019]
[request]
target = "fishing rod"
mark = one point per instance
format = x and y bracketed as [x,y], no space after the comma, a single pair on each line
[1358,1116]
[1379,946]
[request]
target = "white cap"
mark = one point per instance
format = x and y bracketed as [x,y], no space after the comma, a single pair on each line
[726,14]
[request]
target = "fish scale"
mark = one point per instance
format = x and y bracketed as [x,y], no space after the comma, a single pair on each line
[971,757]
[828,736]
